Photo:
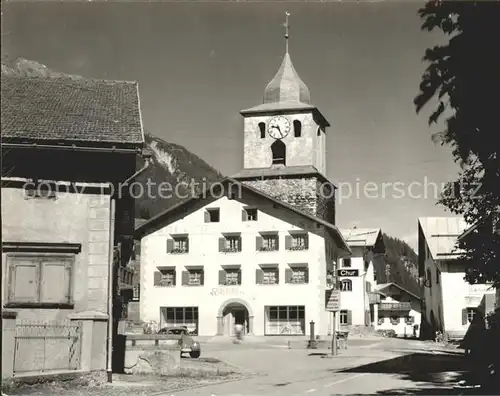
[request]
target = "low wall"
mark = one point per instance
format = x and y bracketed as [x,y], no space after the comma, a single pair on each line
[151,354]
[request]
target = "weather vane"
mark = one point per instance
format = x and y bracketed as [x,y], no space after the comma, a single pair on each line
[287,26]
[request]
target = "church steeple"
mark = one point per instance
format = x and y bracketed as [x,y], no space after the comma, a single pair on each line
[287,86]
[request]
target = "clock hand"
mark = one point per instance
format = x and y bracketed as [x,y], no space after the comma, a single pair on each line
[279,130]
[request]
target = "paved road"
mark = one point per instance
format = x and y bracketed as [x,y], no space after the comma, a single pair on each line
[377,367]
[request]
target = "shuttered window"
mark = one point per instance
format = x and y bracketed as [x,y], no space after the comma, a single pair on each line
[345,317]
[40,279]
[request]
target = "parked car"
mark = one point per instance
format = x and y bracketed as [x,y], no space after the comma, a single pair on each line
[187,343]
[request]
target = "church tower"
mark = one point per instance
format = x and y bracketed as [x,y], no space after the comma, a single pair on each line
[285,145]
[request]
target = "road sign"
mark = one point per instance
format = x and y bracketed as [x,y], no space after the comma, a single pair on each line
[333,303]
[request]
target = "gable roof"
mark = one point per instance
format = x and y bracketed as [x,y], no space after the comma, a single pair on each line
[380,287]
[361,236]
[441,235]
[341,243]
[38,110]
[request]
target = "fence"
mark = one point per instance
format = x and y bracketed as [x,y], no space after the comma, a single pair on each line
[41,347]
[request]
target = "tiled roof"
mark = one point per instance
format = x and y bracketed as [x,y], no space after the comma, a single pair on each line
[441,234]
[361,236]
[382,286]
[70,110]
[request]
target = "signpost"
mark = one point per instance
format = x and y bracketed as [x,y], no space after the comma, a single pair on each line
[333,305]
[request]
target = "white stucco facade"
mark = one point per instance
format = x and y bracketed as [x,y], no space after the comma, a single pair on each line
[213,300]
[449,300]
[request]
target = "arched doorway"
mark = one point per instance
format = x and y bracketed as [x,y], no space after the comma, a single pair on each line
[234,312]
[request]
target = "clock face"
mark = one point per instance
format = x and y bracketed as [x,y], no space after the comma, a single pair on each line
[278,127]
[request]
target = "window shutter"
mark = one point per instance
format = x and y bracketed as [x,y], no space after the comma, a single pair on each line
[465,320]
[202,278]
[175,278]
[306,240]
[277,242]
[288,275]
[243,215]
[277,271]
[157,278]
[306,274]
[258,243]
[187,245]
[222,277]
[288,242]
[349,317]
[185,278]
[240,243]
[259,276]
[170,245]
[207,217]
[222,244]
[239,277]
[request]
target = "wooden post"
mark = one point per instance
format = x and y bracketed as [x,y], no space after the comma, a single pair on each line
[334,332]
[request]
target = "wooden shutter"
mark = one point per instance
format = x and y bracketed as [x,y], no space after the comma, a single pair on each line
[288,275]
[174,277]
[187,245]
[288,242]
[222,277]
[277,270]
[55,280]
[349,317]
[207,216]
[185,278]
[202,278]
[306,270]
[157,278]
[277,242]
[25,280]
[239,277]
[258,243]
[240,244]
[243,215]
[259,276]
[465,320]
[306,240]
[170,245]
[222,244]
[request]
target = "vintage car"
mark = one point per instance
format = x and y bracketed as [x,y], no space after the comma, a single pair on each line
[186,342]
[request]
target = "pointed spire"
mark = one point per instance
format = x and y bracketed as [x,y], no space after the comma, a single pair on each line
[286,86]
[287,26]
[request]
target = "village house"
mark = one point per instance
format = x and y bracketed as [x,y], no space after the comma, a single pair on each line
[357,276]
[449,302]
[365,301]
[257,250]
[67,227]
[398,310]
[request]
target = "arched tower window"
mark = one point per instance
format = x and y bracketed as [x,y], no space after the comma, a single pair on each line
[278,149]
[346,285]
[262,129]
[297,128]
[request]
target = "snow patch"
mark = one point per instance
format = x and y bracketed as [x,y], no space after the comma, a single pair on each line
[164,157]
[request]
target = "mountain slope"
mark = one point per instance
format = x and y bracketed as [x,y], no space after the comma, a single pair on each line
[174,175]
[173,165]
[401,262]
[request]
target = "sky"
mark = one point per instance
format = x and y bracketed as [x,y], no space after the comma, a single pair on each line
[199,64]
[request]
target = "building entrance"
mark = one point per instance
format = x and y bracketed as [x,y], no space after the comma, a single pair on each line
[233,314]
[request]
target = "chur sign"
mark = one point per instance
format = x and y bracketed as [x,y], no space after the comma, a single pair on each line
[348,272]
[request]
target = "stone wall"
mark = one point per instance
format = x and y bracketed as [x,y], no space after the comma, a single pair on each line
[152,354]
[308,194]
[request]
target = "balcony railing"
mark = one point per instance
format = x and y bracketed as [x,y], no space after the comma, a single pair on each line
[402,306]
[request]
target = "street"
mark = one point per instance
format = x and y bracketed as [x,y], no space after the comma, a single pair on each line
[377,366]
